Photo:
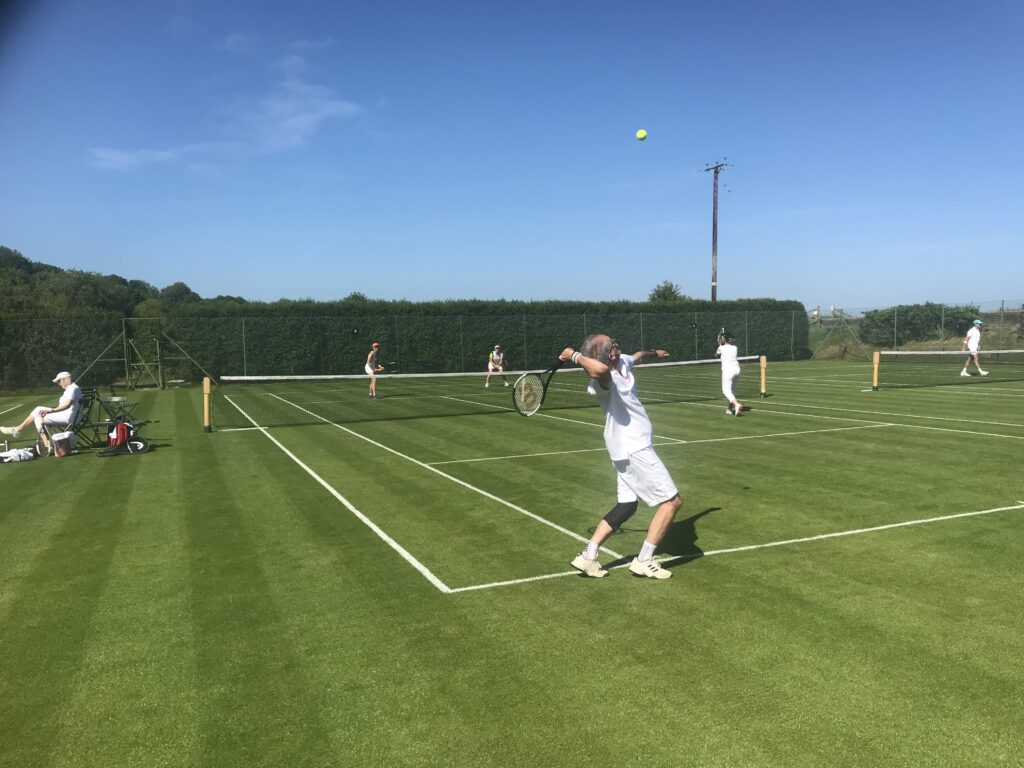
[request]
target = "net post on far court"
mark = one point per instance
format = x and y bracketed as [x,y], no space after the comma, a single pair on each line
[207,426]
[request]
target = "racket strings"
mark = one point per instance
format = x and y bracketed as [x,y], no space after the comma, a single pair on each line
[528,393]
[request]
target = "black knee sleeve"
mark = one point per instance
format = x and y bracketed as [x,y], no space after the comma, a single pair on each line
[619,514]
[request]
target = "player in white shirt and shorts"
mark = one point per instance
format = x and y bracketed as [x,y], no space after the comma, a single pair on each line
[972,343]
[628,434]
[729,354]
[496,361]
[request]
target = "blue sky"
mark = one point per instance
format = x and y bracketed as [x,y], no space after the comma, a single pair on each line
[432,150]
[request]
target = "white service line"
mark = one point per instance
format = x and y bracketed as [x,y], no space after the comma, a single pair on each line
[752,547]
[351,508]
[12,408]
[659,445]
[887,413]
[454,479]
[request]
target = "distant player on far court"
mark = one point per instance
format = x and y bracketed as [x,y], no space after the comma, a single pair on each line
[730,370]
[496,361]
[373,367]
[640,475]
[972,343]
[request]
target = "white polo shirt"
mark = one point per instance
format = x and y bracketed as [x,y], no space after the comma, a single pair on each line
[974,339]
[627,428]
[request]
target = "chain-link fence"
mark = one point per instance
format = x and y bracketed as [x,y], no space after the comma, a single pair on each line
[161,351]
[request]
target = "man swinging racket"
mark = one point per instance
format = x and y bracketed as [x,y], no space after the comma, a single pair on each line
[628,433]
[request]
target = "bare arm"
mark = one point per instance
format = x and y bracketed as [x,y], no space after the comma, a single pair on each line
[645,353]
[594,368]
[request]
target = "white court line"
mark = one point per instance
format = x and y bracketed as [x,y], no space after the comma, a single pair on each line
[659,445]
[351,508]
[12,408]
[774,411]
[549,416]
[752,547]
[886,413]
[454,479]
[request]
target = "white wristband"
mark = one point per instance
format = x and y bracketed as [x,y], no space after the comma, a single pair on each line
[575,356]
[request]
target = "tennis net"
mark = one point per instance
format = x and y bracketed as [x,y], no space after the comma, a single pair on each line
[934,369]
[238,402]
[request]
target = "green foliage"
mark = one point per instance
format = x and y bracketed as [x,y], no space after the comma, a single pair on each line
[666,291]
[898,325]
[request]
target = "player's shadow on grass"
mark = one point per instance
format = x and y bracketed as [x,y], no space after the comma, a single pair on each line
[680,542]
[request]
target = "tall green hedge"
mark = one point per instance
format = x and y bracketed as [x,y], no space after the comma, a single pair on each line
[306,337]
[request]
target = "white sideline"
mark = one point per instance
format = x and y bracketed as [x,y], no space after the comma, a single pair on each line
[658,445]
[751,547]
[883,413]
[454,479]
[363,518]
[12,408]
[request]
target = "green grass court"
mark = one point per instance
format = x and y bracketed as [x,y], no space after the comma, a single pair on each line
[846,590]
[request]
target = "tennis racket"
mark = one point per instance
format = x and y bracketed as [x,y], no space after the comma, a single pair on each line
[530,389]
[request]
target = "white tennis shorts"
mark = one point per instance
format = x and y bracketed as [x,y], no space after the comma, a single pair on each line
[642,476]
[369,371]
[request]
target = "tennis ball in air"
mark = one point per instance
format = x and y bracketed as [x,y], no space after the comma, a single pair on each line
[641,134]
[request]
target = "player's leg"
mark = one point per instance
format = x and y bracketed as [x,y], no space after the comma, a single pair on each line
[15,431]
[626,504]
[651,481]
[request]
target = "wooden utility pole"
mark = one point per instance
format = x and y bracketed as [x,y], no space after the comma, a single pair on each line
[717,167]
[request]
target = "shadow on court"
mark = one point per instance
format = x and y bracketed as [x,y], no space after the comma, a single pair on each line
[680,542]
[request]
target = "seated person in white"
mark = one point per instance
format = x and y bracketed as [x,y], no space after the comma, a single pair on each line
[63,415]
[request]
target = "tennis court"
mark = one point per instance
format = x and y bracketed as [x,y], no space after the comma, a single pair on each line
[361,591]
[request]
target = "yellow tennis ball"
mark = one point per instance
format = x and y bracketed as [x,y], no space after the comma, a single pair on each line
[641,134]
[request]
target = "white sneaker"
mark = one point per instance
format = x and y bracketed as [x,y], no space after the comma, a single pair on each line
[12,431]
[964,372]
[487,384]
[590,568]
[983,373]
[738,409]
[506,383]
[651,569]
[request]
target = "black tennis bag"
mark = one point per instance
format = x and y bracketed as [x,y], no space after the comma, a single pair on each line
[123,438]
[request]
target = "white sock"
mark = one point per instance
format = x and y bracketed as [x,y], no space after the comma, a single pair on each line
[646,551]
[590,553]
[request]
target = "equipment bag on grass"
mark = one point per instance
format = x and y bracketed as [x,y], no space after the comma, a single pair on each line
[122,438]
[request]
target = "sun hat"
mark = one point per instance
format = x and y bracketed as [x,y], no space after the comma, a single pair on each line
[61,375]
[978,322]
[497,346]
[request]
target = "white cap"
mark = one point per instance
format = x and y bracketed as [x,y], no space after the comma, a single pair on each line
[61,375]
